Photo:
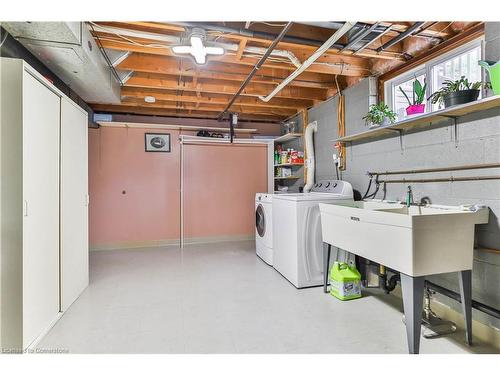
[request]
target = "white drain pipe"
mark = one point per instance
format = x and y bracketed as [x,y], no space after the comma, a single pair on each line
[310,163]
[336,36]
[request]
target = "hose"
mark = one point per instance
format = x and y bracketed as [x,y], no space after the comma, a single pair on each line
[377,186]
[368,188]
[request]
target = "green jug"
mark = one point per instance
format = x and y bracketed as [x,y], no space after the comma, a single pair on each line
[345,281]
[493,69]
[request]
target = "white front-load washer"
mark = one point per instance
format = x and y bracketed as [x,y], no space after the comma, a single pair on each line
[264,227]
[297,239]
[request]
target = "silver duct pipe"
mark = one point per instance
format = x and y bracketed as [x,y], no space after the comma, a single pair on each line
[256,34]
[360,35]
[411,30]
[173,40]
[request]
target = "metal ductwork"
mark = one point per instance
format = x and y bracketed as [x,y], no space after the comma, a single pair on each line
[69,50]
[257,34]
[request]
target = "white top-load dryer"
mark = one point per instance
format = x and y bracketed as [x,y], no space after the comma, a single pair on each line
[297,239]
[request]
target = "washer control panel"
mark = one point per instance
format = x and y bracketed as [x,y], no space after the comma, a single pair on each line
[329,186]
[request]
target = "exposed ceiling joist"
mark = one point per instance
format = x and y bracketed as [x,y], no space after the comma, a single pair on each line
[172,95]
[326,65]
[178,112]
[208,107]
[170,66]
[182,88]
[221,87]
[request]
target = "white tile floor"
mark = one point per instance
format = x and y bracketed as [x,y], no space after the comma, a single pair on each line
[220,298]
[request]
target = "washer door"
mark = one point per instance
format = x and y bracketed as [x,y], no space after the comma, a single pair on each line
[260,220]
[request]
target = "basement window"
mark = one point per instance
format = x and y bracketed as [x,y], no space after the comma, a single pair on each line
[399,102]
[462,61]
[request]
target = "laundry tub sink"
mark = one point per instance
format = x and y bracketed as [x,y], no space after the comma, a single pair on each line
[415,240]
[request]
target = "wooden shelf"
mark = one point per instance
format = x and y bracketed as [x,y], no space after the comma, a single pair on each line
[287,178]
[289,165]
[424,122]
[288,137]
[117,124]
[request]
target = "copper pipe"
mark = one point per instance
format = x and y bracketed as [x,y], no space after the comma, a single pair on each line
[442,169]
[445,179]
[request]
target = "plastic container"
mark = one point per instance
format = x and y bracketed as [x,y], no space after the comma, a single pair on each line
[284,157]
[493,69]
[286,172]
[345,281]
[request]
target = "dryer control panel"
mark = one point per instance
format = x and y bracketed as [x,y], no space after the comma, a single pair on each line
[331,186]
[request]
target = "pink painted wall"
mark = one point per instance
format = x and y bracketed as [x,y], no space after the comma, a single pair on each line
[220,183]
[149,210]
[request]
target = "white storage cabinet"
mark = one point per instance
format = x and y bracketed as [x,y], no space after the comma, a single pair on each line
[44,198]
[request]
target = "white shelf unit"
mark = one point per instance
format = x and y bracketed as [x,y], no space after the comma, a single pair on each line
[287,137]
[283,139]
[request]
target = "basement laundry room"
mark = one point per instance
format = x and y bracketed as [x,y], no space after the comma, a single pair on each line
[250,187]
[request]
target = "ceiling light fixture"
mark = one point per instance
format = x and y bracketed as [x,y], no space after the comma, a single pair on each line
[194,45]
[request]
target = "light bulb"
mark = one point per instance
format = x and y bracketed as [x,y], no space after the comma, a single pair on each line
[214,50]
[181,49]
[196,43]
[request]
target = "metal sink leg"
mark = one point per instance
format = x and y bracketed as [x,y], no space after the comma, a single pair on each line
[465,280]
[413,294]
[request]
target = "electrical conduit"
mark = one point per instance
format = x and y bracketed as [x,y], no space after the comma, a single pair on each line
[336,36]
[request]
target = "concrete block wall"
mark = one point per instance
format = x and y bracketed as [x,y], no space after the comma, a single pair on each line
[478,143]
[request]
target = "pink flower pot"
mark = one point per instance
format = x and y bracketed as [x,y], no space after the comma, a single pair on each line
[414,109]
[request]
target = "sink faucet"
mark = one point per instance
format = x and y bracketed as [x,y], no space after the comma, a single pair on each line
[409,197]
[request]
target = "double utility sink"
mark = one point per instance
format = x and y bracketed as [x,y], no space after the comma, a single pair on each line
[415,240]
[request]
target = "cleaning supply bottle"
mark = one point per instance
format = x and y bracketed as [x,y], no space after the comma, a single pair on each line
[345,281]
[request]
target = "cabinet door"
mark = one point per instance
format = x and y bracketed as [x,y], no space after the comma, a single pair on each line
[74,216]
[41,111]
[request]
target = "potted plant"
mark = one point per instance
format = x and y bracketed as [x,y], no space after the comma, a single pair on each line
[457,92]
[379,114]
[418,95]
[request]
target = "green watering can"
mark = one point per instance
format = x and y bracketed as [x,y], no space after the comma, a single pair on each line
[493,69]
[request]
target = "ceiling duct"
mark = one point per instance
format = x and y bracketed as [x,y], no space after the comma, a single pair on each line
[69,50]
[360,35]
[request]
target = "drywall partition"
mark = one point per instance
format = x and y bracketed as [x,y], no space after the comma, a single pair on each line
[219,183]
[479,142]
[134,195]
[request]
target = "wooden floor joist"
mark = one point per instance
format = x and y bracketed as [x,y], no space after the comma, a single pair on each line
[221,86]
[183,88]
[198,97]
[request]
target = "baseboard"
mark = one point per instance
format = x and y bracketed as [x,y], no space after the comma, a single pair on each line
[173,242]
[201,240]
[134,245]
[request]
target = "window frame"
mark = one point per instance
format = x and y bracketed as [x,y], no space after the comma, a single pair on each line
[426,68]
[391,85]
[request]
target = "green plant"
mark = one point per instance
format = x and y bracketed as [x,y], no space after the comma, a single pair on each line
[461,84]
[378,113]
[418,92]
